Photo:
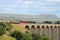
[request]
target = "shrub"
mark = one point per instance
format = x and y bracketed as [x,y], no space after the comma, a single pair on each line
[7,26]
[2,30]
[45,37]
[4,27]
[27,36]
[17,35]
[36,37]
[21,36]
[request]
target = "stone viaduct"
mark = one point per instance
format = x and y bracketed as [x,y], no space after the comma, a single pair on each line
[51,30]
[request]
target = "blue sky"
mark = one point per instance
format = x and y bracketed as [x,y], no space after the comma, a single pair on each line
[30,6]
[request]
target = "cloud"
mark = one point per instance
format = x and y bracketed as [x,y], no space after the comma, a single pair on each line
[30,6]
[52,0]
[27,2]
[7,9]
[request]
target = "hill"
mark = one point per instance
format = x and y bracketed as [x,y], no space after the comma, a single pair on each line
[36,18]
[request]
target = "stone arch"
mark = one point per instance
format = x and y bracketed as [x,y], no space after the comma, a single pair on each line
[33,26]
[33,29]
[59,32]
[43,27]
[58,26]
[55,30]
[27,27]
[47,27]
[47,30]
[38,27]
[43,30]
[51,27]
[55,26]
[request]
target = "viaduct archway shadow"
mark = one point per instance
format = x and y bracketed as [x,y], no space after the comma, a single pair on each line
[27,27]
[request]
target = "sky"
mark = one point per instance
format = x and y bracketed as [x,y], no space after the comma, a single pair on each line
[31,7]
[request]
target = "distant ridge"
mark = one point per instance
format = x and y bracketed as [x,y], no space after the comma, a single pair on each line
[37,18]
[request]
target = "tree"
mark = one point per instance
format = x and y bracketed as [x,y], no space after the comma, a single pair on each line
[36,37]
[8,26]
[27,36]
[21,36]
[4,27]
[17,35]
[57,22]
[2,24]
[44,37]
[47,22]
[2,30]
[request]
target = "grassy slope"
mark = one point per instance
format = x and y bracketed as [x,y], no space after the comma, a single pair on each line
[16,27]
[7,38]
[19,27]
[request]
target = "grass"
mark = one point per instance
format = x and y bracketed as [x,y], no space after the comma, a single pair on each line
[19,27]
[7,38]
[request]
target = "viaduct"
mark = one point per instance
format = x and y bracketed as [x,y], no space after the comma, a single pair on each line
[51,30]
